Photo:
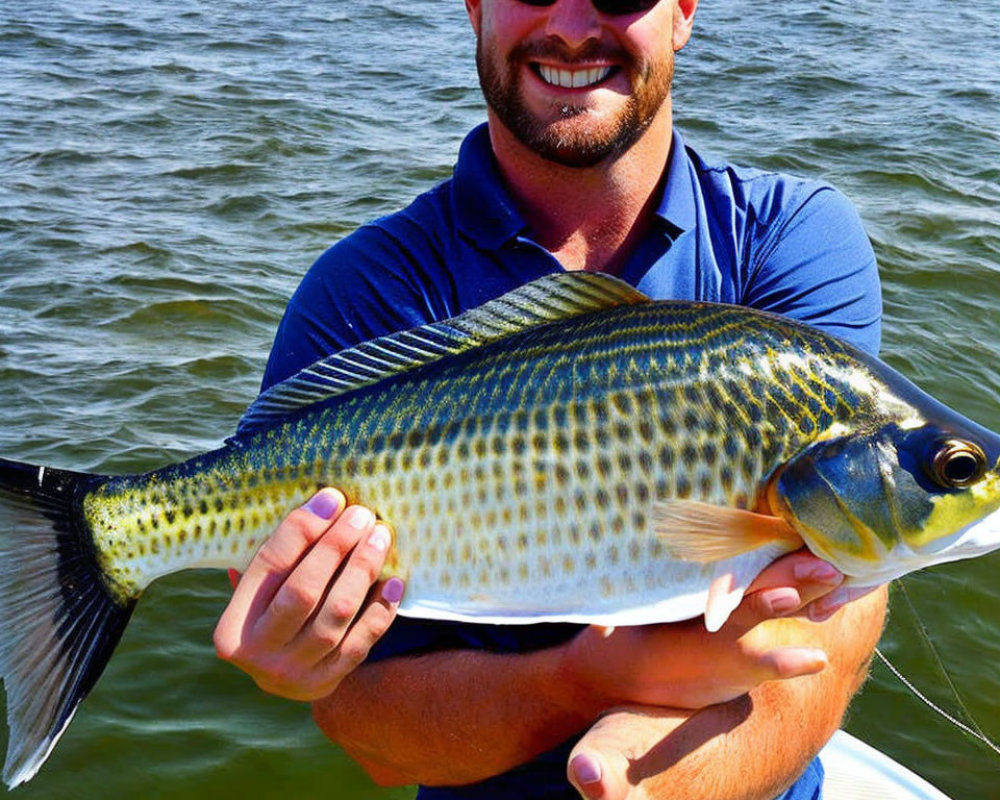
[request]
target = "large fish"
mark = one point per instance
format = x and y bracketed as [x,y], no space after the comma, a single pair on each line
[568,452]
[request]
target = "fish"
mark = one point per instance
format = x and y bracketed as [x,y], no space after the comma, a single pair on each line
[570,451]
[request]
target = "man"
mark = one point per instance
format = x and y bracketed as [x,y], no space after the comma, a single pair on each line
[579,168]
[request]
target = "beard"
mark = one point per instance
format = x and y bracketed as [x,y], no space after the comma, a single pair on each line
[574,137]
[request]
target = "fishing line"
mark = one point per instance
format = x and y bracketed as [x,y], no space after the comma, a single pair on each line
[926,636]
[974,731]
[975,734]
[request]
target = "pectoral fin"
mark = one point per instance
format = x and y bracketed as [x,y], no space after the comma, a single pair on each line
[703,532]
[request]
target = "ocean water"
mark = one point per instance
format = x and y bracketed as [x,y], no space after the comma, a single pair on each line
[169,170]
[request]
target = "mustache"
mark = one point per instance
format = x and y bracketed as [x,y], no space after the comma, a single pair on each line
[551,49]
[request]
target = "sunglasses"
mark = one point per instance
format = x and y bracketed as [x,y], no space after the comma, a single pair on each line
[610,7]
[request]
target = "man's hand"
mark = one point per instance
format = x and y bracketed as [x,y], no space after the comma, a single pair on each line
[682,665]
[523,704]
[631,753]
[308,608]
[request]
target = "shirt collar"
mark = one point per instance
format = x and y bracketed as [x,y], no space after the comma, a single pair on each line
[485,211]
[677,203]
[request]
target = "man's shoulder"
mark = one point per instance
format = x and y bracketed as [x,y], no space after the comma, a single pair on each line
[713,165]
[767,205]
[423,223]
[396,257]
[766,192]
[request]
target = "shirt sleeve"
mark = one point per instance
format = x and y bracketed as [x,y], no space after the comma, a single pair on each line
[379,280]
[816,264]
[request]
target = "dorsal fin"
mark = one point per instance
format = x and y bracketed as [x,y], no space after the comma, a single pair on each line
[548,299]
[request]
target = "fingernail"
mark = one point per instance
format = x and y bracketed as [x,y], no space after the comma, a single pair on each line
[817,660]
[811,661]
[392,592]
[585,769]
[359,517]
[380,538]
[782,601]
[324,504]
[820,659]
[818,571]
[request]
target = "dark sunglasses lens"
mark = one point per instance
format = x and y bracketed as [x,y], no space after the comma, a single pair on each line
[614,7]
[623,6]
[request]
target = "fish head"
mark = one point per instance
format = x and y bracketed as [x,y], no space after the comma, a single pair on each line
[883,502]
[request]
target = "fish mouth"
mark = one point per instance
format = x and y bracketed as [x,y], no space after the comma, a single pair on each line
[573,78]
[975,539]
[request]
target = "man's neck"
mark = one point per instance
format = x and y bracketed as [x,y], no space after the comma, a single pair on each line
[589,218]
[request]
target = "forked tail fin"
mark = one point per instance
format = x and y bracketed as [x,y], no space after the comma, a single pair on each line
[58,622]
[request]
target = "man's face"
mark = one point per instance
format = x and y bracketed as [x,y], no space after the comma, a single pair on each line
[574,85]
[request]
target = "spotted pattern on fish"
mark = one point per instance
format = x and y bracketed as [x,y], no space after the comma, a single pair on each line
[528,466]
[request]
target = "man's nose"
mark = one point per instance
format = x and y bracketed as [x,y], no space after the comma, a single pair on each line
[575,22]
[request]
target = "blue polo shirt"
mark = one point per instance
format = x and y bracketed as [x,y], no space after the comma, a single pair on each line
[720,233]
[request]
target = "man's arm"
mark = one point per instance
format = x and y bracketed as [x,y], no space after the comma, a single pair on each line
[453,717]
[461,717]
[756,745]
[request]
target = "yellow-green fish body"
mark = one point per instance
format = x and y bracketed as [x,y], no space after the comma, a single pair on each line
[568,452]
[521,483]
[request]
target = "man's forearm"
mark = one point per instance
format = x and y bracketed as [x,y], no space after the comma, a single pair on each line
[750,748]
[453,717]
[459,717]
[788,721]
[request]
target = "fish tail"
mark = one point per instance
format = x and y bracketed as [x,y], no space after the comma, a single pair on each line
[59,622]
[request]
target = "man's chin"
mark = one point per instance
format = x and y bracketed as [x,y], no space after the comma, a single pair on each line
[574,148]
[574,157]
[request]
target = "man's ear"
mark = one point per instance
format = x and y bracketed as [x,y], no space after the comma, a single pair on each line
[683,21]
[474,9]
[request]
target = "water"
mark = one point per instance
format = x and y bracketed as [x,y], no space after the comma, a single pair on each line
[168,171]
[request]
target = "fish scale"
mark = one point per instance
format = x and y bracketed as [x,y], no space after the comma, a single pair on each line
[570,451]
[495,469]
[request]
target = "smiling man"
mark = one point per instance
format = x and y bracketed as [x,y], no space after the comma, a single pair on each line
[577,108]
[579,168]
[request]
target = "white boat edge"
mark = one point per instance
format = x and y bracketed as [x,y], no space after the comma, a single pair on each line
[857,771]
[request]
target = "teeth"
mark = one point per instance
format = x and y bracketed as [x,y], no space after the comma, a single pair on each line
[575,78]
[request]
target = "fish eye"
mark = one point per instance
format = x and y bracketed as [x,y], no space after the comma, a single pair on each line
[957,464]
